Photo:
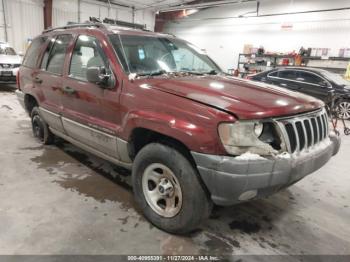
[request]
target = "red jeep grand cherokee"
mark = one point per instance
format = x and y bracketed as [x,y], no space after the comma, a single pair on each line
[157,105]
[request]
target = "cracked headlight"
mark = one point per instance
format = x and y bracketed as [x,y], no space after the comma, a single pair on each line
[253,136]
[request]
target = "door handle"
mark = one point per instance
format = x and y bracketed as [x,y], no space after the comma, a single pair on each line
[37,80]
[69,90]
[283,84]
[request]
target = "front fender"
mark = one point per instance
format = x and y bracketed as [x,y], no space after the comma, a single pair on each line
[195,137]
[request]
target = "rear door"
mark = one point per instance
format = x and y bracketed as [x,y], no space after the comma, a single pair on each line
[84,103]
[49,79]
[29,69]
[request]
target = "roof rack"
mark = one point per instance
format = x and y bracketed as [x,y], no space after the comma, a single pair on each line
[124,24]
[75,25]
[96,22]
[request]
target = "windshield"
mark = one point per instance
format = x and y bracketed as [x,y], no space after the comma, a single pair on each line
[338,79]
[146,55]
[5,50]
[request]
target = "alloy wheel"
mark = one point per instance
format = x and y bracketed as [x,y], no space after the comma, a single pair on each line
[344,110]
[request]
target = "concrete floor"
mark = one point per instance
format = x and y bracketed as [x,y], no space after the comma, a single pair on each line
[61,200]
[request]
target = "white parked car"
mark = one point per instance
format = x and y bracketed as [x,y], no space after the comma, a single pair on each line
[9,63]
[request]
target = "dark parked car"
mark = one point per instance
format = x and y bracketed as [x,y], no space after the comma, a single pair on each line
[157,105]
[315,82]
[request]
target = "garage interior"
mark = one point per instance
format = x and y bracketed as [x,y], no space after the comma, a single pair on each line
[60,200]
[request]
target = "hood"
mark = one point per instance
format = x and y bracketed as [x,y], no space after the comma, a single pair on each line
[10,59]
[243,98]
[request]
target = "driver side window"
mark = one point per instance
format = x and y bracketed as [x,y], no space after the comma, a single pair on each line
[309,78]
[87,53]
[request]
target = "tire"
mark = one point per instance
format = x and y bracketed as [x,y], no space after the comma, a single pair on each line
[192,205]
[40,129]
[343,109]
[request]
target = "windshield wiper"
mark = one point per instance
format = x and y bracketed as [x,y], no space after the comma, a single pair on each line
[154,73]
[212,72]
[191,72]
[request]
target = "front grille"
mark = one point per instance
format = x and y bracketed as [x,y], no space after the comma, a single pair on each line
[9,66]
[304,131]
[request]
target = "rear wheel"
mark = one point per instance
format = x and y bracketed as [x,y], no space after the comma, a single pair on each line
[40,129]
[168,190]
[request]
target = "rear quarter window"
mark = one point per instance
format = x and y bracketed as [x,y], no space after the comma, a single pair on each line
[33,52]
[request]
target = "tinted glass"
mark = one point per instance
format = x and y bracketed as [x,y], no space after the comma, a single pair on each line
[287,74]
[275,74]
[46,54]
[310,78]
[57,54]
[33,52]
[87,53]
[145,55]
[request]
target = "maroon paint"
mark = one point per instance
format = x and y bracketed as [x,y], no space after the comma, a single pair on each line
[188,109]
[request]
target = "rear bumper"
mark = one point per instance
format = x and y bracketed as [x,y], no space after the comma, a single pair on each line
[20,97]
[231,181]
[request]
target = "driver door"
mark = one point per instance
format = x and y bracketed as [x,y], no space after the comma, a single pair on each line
[83,102]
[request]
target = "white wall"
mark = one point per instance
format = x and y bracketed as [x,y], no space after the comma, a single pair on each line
[24,19]
[67,11]
[224,38]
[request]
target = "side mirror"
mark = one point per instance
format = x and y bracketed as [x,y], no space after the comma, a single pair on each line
[99,76]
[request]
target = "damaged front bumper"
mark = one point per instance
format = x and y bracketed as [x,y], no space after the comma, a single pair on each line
[231,181]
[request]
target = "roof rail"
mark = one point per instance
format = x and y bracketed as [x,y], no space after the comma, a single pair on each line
[76,25]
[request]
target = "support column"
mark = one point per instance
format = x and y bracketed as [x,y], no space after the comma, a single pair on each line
[5,20]
[47,13]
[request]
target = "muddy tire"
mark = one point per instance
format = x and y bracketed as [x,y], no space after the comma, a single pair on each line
[168,190]
[40,129]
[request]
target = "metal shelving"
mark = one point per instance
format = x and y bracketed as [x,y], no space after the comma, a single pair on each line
[329,63]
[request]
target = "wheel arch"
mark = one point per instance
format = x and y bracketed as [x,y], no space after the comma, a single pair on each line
[30,102]
[141,137]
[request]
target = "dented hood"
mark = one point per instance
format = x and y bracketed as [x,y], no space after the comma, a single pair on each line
[243,98]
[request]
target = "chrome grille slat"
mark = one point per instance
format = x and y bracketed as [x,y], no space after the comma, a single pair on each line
[317,131]
[312,132]
[320,126]
[305,135]
[296,136]
[304,131]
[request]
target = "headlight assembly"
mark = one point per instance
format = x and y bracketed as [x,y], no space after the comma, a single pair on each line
[253,136]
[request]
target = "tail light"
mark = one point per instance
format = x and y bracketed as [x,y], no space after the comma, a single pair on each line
[17,81]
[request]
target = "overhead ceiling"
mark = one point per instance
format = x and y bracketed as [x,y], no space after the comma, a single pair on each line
[148,4]
[169,5]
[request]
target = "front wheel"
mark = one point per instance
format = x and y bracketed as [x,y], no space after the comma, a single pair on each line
[168,190]
[343,109]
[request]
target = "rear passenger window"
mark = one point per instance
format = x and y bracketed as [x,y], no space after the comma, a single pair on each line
[57,54]
[33,52]
[87,53]
[287,74]
[46,54]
